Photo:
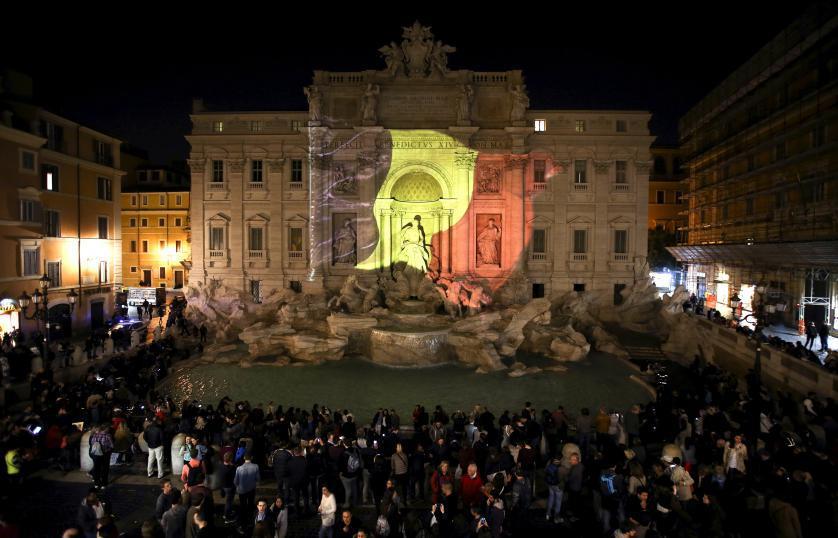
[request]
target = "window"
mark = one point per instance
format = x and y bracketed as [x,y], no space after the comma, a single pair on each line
[780,151]
[103,153]
[162,272]
[620,241]
[54,135]
[580,241]
[781,199]
[540,126]
[580,174]
[620,168]
[162,245]
[539,241]
[578,287]
[103,227]
[30,211]
[103,190]
[660,166]
[296,170]
[145,199]
[218,126]
[256,171]
[256,126]
[256,290]
[133,268]
[49,176]
[103,271]
[621,126]
[818,136]
[141,176]
[145,245]
[161,223]
[678,195]
[660,197]
[580,126]
[178,222]
[27,161]
[218,171]
[295,240]
[749,207]
[133,245]
[255,239]
[177,246]
[539,171]
[132,223]
[52,223]
[54,274]
[144,223]
[216,238]
[133,200]
[31,261]
[162,200]
[179,199]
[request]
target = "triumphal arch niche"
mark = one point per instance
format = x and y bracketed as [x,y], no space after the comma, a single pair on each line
[418,168]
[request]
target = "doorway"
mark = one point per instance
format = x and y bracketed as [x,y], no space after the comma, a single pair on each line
[178,279]
[60,322]
[97,315]
[146,278]
[537,291]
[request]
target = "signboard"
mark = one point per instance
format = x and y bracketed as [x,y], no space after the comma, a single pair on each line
[136,296]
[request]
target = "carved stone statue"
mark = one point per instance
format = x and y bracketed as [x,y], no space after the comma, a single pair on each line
[347,299]
[477,298]
[315,103]
[488,244]
[464,103]
[344,183]
[393,57]
[450,292]
[418,54]
[345,241]
[489,180]
[414,253]
[520,102]
[371,102]
[439,57]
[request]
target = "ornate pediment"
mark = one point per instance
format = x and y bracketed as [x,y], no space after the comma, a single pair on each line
[418,55]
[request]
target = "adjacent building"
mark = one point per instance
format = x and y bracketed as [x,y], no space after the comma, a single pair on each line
[762,189]
[59,217]
[416,155]
[667,206]
[155,225]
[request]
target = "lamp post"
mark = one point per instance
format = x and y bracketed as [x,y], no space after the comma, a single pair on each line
[40,300]
[734,304]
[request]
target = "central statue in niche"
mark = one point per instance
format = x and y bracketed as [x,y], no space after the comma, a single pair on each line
[414,253]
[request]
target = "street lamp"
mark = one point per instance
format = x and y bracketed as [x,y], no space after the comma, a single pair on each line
[40,300]
[734,303]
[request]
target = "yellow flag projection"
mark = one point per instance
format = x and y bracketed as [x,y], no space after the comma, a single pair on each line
[427,190]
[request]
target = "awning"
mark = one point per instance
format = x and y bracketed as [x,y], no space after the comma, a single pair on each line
[793,254]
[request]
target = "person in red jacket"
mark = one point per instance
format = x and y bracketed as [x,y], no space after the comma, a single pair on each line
[471,486]
[441,476]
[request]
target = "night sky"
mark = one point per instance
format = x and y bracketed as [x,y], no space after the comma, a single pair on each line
[135,78]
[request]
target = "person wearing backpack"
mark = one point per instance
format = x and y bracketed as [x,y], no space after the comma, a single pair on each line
[611,490]
[101,446]
[351,465]
[555,491]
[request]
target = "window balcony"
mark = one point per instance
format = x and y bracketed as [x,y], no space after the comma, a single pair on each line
[256,186]
[256,254]
[538,256]
[579,256]
[539,187]
[295,255]
[620,257]
[217,186]
[217,254]
[295,185]
[620,187]
[580,187]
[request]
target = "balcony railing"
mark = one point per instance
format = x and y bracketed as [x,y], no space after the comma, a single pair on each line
[217,254]
[538,256]
[579,256]
[539,187]
[295,255]
[580,187]
[256,185]
[295,185]
[620,257]
[621,187]
[256,254]
[217,186]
